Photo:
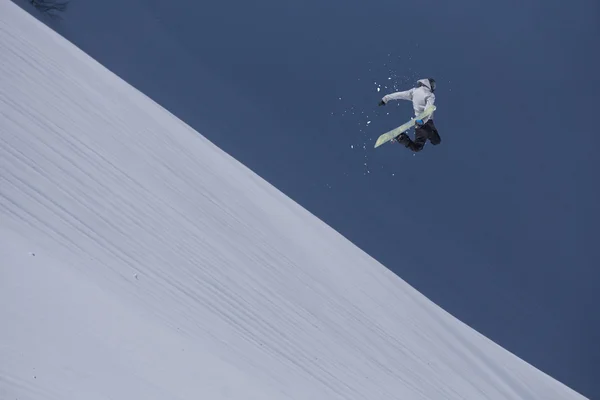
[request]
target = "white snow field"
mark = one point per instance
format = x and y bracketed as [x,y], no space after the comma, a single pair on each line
[139,261]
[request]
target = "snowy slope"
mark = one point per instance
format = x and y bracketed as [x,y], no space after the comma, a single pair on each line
[139,261]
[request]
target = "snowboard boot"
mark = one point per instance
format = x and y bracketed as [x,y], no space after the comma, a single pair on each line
[403,139]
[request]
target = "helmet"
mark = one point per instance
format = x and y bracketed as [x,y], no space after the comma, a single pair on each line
[428,83]
[432,84]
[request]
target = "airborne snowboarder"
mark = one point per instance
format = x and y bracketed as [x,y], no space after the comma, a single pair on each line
[422,97]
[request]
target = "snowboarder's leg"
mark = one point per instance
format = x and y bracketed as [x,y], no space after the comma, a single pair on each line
[428,131]
[421,135]
[434,136]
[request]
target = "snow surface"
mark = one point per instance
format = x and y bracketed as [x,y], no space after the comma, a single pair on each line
[139,261]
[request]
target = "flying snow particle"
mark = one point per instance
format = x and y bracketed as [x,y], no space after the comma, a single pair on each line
[351,146]
[368,122]
[378,89]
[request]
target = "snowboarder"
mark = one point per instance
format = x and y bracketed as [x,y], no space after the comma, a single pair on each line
[421,96]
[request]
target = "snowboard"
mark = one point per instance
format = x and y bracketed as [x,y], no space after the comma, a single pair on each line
[386,137]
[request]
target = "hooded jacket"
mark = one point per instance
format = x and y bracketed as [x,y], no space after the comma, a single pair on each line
[421,97]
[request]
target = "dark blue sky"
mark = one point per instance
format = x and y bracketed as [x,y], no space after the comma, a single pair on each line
[498,224]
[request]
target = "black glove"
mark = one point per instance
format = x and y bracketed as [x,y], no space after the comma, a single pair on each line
[381,103]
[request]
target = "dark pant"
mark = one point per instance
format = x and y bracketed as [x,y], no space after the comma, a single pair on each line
[427,131]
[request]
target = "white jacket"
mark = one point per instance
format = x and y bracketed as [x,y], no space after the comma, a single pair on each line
[421,97]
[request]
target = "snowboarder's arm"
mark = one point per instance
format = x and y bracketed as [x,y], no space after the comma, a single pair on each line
[406,95]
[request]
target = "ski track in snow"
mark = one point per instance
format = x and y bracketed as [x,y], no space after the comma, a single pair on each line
[139,261]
